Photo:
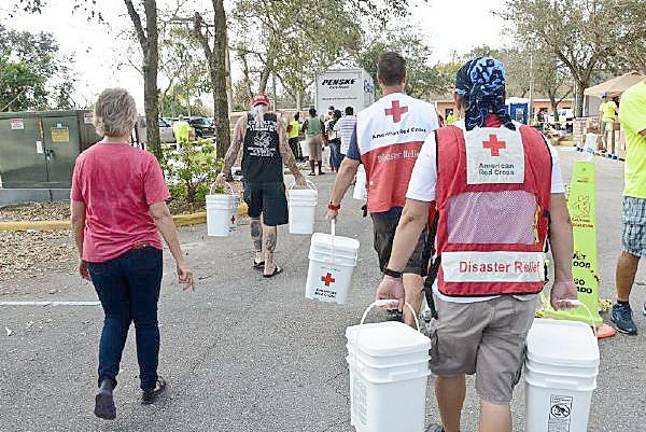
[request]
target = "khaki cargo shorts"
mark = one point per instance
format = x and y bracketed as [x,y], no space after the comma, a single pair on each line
[486,338]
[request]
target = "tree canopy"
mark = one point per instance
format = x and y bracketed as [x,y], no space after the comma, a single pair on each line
[423,78]
[585,35]
[33,72]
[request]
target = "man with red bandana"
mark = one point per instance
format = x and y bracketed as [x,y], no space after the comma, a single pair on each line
[495,189]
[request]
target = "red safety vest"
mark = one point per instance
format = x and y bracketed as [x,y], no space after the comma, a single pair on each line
[493,198]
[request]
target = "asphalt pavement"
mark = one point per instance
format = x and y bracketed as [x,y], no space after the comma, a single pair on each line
[242,353]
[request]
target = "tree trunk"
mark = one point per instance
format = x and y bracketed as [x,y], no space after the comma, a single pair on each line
[299,100]
[264,79]
[216,59]
[555,107]
[274,92]
[229,81]
[219,77]
[151,92]
[149,48]
[579,88]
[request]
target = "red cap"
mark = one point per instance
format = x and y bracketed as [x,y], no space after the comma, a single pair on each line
[260,99]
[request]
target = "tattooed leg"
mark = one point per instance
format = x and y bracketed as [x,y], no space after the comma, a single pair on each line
[256,236]
[270,237]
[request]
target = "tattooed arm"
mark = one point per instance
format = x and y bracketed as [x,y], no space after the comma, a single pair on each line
[288,155]
[234,148]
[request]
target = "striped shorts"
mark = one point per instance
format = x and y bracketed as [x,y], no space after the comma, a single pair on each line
[634,220]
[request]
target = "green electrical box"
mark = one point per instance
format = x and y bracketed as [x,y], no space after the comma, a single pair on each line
[38,149]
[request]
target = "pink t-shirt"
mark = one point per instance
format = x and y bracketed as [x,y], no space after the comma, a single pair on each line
[117,183]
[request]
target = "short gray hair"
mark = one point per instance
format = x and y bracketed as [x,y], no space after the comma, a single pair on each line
[115,112]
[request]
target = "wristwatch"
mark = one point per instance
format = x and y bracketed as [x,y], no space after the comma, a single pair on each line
[392,273]
[334,207]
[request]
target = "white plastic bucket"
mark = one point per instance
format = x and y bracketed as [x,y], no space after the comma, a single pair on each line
[325,156]
[332,262]
[305,149]
[388,394]
[560,375]
[360,192]
[590,143]
[302,209]
[221,213]
[289,179]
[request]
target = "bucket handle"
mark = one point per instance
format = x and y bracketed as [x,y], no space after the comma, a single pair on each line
[587,309]
[309,184]
[380,303]
[333,233]
[386,302]
[233,192]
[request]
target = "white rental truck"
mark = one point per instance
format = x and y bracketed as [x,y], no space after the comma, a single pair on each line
[341,88]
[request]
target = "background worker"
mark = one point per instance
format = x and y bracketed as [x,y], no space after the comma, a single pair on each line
[608,115]
[182,130]
[345,127]
[389,135]
[485,219]
[334,140]
[632,115]
[265,148]
[313,128]
[293,132]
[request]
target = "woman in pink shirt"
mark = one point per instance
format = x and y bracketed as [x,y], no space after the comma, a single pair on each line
[118,210]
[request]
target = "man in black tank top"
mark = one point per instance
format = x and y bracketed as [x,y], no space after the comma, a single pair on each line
[265,146]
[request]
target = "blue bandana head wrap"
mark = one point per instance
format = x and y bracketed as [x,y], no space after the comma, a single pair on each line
[481,82]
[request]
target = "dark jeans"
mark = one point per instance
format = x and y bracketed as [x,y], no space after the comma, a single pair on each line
[128,287]
[296,148]
[335,153]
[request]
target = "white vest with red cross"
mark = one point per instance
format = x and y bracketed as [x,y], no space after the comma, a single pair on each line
[390,134]
[493,197]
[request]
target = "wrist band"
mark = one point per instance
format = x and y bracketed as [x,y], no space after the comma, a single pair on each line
[392,273]
[331,206]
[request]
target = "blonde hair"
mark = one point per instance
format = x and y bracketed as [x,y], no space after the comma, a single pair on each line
[115,112]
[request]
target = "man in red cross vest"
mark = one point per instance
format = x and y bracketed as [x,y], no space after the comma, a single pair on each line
[496,187]
[387,139]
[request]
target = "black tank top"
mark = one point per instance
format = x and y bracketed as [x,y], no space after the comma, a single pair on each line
[261,159]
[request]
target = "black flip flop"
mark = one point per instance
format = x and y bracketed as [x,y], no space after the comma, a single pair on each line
[149,397]
[259,265]
[277,270]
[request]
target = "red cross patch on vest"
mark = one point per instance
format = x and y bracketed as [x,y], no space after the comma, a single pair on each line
[494,156]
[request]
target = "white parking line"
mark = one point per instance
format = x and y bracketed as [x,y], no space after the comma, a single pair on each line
[50,303]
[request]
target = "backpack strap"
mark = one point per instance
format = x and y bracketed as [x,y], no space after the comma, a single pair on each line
[434,267]
[546,212]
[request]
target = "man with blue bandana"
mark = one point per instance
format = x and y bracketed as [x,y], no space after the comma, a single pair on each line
[493,190]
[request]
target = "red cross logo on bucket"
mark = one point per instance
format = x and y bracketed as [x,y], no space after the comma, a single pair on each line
[396,111]
[328,279]
[494,145]
[233,219]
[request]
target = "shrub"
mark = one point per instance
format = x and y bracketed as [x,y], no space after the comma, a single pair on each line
[191,170]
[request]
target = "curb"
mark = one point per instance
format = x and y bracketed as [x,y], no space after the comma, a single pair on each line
[600,154]
[35,225]
[190,219]
[180,220]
